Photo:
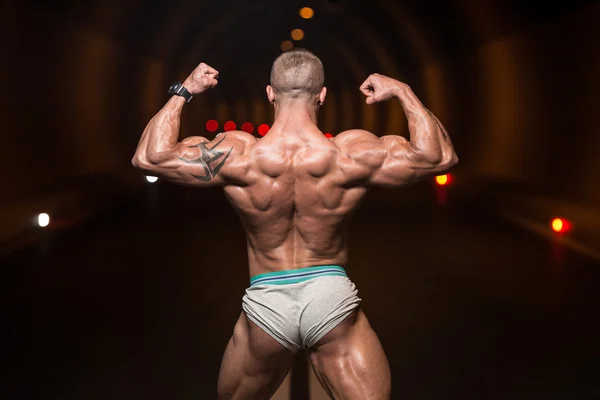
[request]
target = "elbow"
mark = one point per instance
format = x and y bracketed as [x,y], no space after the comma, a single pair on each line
[449,161]
[442,162]
[140,161]
[137,161]
[453,160]
[430,157]
[147,161]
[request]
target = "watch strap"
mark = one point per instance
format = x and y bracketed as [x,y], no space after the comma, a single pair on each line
[180,90]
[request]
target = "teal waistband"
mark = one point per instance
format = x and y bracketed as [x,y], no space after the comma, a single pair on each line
[297,275]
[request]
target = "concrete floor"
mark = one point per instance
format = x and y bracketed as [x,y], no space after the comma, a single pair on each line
[140,303]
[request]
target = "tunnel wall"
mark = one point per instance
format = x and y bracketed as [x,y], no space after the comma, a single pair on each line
[523,107]
[68,131]
[58,113]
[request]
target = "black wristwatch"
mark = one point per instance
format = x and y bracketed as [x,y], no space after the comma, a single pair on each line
[178,89]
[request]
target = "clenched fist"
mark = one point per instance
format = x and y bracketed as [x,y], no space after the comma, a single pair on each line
[380,88]
[202,78]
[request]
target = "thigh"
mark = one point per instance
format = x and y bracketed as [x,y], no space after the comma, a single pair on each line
[254,364]
[350,362]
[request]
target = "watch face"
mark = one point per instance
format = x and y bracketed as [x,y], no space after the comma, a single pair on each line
[174,87]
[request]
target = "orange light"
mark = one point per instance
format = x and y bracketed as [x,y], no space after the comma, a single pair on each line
[263,129]
[247,127]
[229,126]
[442,180]
[297,34]
[560,225]
[307,12]
[557,225]
[287,45]
[212,125]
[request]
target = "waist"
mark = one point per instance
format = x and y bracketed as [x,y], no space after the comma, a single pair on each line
[297,275]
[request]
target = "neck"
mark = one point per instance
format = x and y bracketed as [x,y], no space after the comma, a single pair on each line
[295,110]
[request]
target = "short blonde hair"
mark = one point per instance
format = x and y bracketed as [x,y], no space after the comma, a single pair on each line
[297,72]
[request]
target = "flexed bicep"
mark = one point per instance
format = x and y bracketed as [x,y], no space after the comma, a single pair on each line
[196,161]
[393,160]
[403,164]
[388,161]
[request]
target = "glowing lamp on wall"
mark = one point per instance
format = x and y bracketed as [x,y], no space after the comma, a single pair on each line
[286,45]
[561,225]
[307,12]
[247,127]
[212,125]
[43,220]
[442,180]
[229,126]
[297,34]
[263,129]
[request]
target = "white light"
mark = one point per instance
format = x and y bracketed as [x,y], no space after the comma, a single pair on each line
[151,179]
[43,220]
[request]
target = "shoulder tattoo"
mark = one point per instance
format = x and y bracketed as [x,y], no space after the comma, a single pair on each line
[209,155]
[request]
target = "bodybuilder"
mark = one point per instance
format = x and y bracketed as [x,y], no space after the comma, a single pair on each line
[295,192]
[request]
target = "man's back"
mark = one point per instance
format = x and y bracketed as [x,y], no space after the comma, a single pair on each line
[295,192]
[296,203]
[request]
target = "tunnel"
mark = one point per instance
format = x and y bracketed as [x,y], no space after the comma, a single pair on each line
[133,288]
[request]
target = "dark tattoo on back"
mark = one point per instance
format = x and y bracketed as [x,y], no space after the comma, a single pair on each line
[207,157]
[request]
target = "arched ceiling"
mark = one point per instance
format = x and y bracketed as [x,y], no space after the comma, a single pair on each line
[353,37]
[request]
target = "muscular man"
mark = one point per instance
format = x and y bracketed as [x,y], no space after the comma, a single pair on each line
[295,192]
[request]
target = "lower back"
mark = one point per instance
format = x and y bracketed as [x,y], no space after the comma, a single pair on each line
[268,254]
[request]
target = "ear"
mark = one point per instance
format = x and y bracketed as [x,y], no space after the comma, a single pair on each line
[271,94]
[322,95]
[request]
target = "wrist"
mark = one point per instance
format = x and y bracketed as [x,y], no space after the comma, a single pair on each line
[179,89]
[400,89]
[188,85]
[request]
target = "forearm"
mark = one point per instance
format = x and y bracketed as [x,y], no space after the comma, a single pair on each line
[161,134]
[428,137]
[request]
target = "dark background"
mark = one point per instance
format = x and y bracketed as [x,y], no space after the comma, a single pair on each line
[474,266]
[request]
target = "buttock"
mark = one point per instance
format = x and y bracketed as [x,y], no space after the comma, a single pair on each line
[297,308]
